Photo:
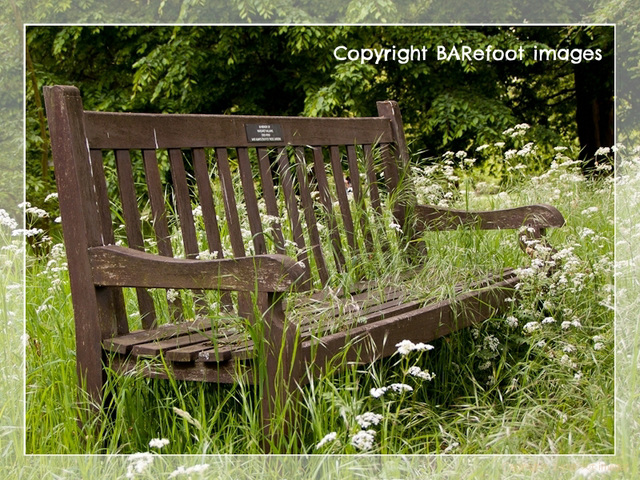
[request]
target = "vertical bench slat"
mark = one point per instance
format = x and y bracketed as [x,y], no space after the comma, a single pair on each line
[104,208]
[229,199]
[251,201]
[245,308]
[310,217]
[183,203]
[211,227]
[354,174]
[269,195]
[372,180]
[286,180]
[133,229]
[159,213]
[325,198]
[341,191]
[157,200]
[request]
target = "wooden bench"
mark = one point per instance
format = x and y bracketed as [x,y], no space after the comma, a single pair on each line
[240,192]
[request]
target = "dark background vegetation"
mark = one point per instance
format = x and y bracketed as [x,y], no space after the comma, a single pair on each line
[290,70]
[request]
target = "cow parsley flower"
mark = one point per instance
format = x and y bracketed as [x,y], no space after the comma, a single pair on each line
[401,387]
[407,346]
[172,295]
[189,470]
[138,463]
[158,442]
[602,151]
[363,440]
[328,438]
[423,374]
[595,468]
[378,392]
[367,419]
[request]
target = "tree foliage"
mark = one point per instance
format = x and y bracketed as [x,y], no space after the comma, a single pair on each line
[291,70]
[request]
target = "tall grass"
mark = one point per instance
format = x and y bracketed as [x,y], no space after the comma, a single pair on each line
[536,379]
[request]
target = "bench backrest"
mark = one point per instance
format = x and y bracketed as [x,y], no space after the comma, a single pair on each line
[299,179]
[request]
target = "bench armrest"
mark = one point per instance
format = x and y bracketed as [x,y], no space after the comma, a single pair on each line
[541,216]
[125,267]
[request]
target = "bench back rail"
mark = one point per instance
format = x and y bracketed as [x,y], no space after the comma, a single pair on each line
[301,181]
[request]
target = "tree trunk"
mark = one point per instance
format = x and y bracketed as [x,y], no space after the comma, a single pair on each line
[594,108]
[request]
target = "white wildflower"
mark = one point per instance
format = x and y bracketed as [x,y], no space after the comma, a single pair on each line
[530,327]
[548,320]
[512,322]
[598,346]
[367,419]
[378,392]
[404,347]
[577,375]
[423,374]
[568,348]
[567,362]
[595,468]
[485,366]
[363,440]
[30,232]
[6,220]
[461,154]
[603,151]
[560,149]
[172,295]
[328,438]
[158,442]
[482,147]
[197,212]
[51,196]
[38,212]
[491,343]
[498,144]
[589,210]
[510,154]
[138,463]
[395,226]
[190,470]
[401,387]
[407,346]
[585,232]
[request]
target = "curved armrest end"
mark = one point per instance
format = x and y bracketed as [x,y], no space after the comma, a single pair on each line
[538,216]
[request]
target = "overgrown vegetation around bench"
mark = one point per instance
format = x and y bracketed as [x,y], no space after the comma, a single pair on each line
[264,207]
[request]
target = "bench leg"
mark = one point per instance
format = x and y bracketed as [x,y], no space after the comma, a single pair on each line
[283,373]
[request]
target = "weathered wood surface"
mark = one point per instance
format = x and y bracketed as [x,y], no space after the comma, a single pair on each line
[125,267]
[162,131]
[371,324]
[440,218]
[321,181]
